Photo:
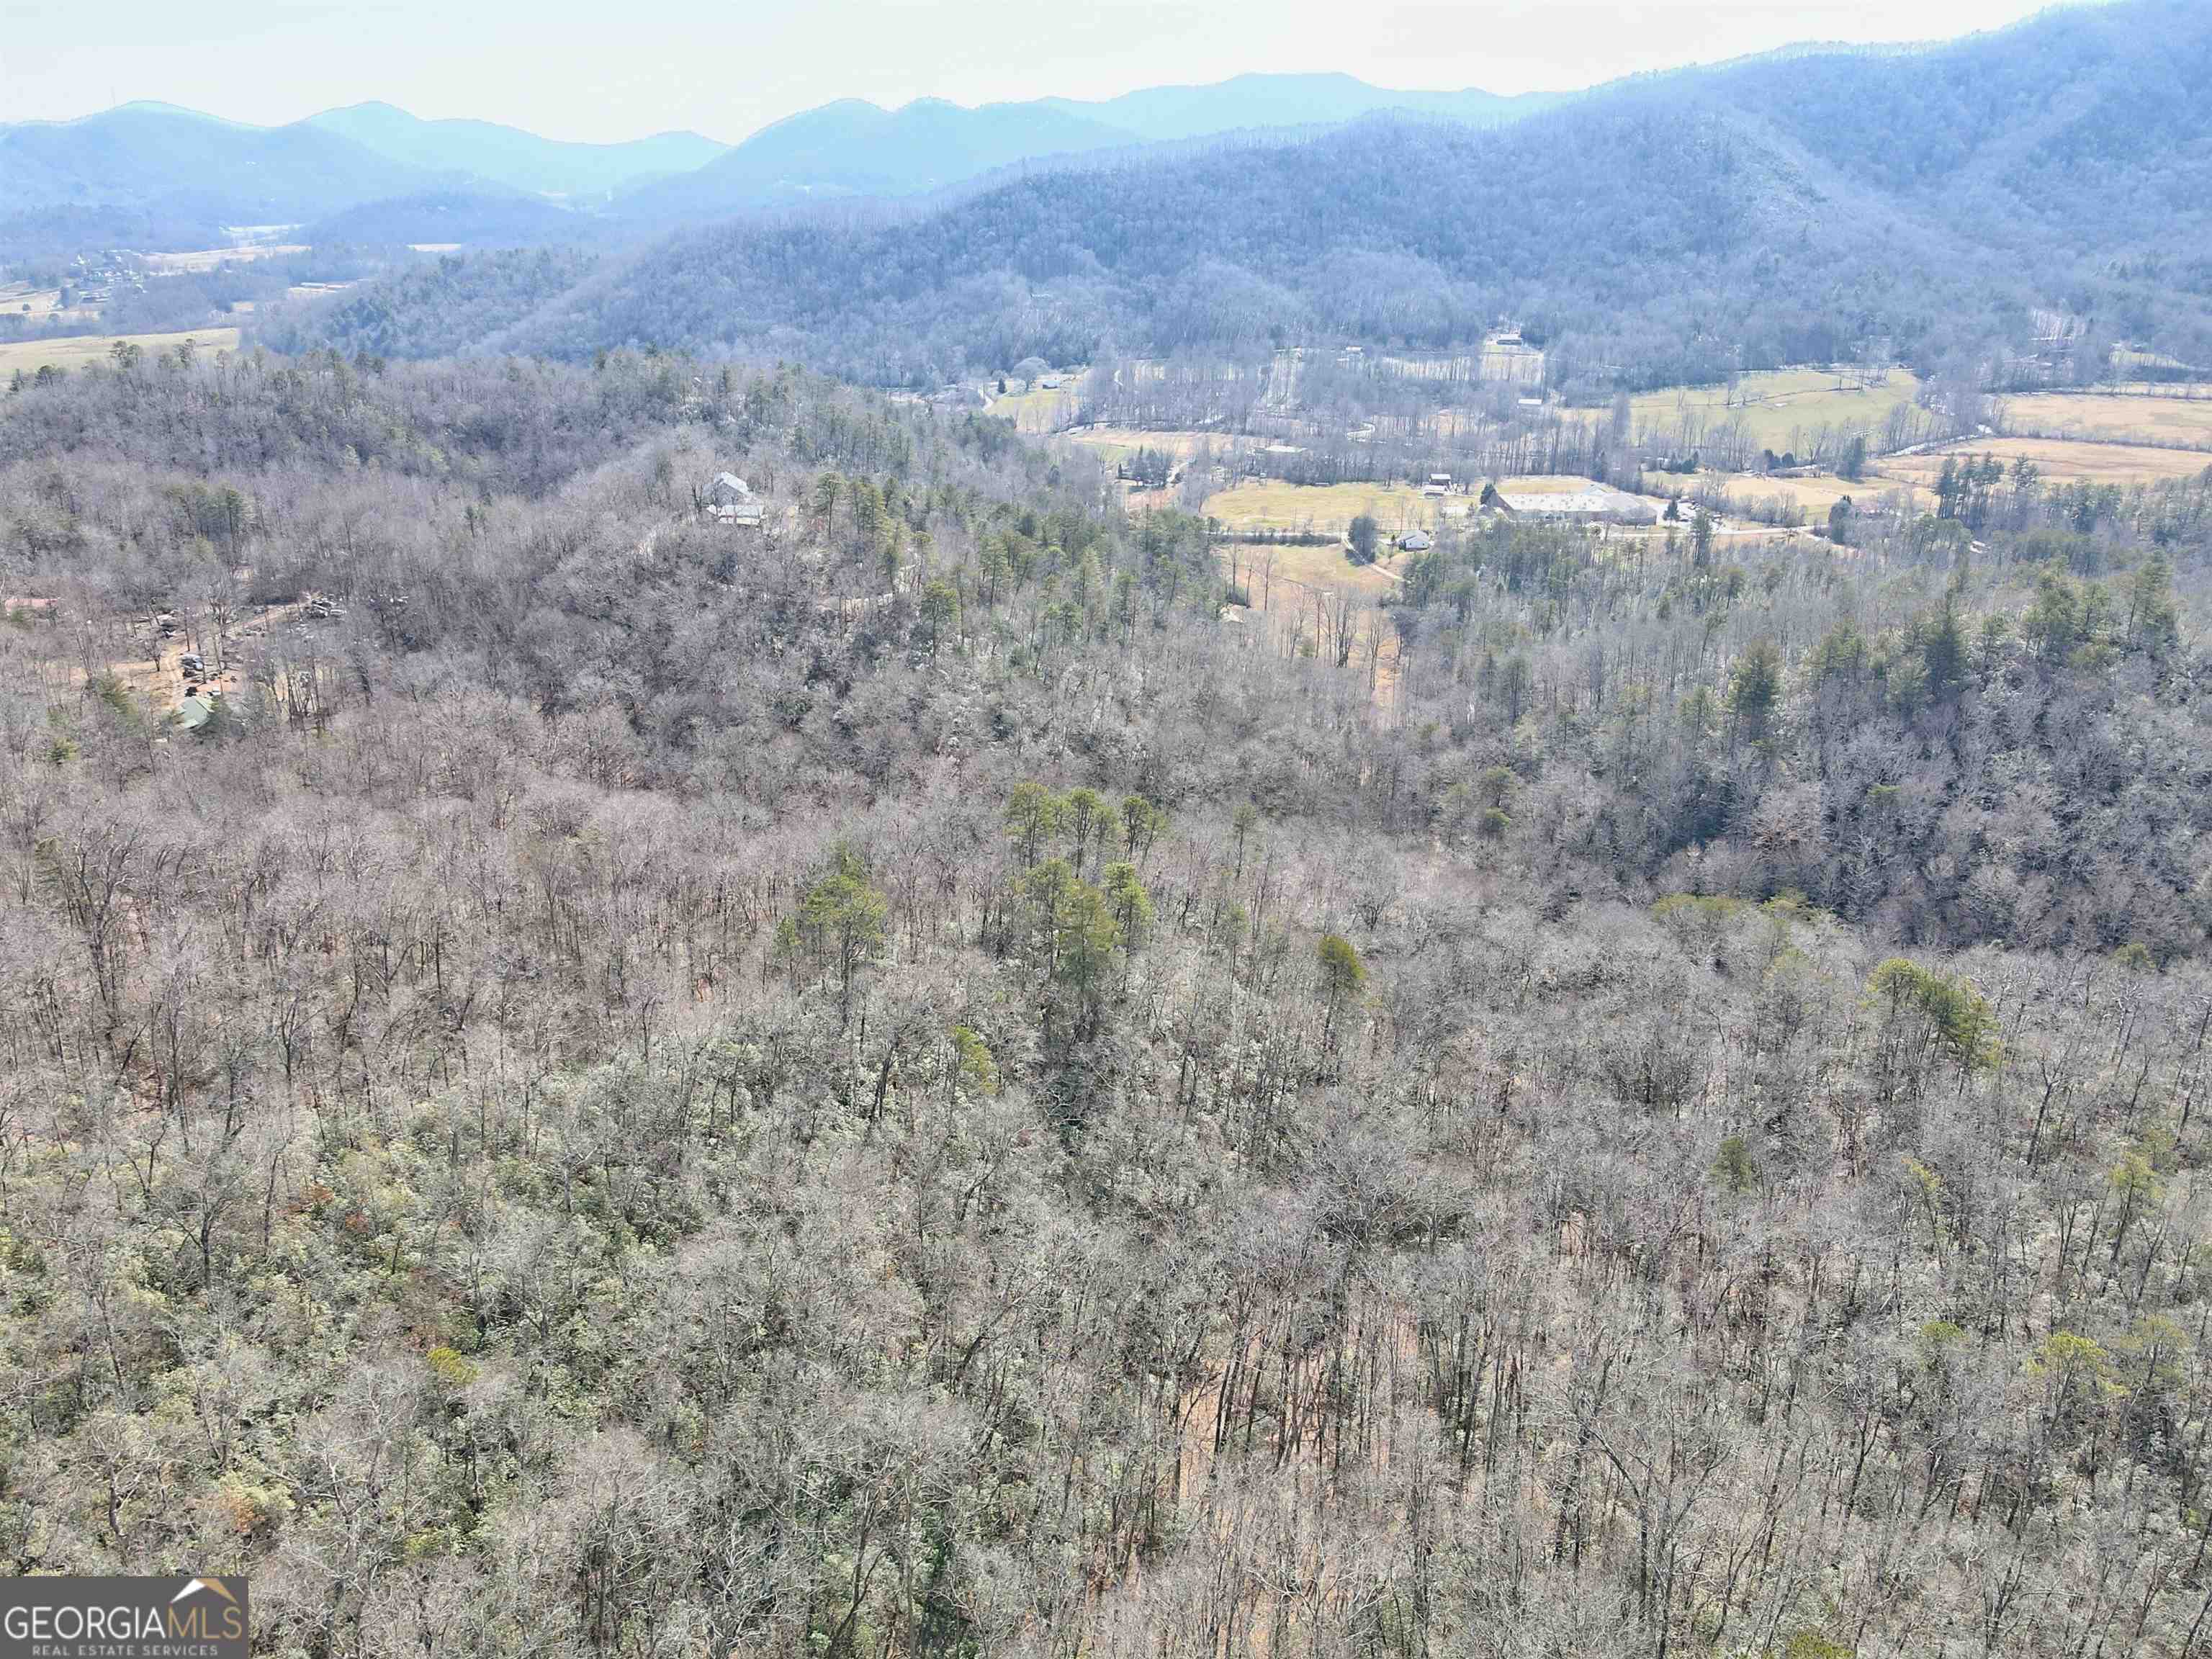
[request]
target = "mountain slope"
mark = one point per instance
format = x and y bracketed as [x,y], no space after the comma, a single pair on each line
[855,148]
[1781,209]
[509,156]
[147,156]
[1160,113]
[454,216]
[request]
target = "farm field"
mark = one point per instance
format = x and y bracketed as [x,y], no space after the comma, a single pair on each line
[1778,405]
[2164,421]
[1812,496]
[76,352]
[22,300]
[1321,509]
[1037,411]
[1303,567]
[1114,444]
[207,259]
[2061,461]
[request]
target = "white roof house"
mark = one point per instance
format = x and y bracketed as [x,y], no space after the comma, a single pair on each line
[730,500]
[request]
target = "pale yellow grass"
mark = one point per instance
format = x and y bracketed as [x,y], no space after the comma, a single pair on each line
[1038,410]
[2062,461]
[1812,496]
[1118,443]
[207,259]
[22,300]
[2161,421]
[1320,509]
[1325,567]
[74,353]
[1779,405]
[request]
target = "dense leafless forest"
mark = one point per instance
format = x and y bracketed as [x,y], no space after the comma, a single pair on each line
[900,1083]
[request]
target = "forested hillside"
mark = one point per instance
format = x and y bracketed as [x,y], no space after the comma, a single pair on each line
[900,1083]
[1782,211]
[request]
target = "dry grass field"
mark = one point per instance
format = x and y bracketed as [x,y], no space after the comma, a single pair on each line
[1320,509]
[74,353]
[207,259]
[1038,410]
[1776,406]
[1312,567]
[1811,496]
[22,300]
[1118,443]
[2159,421]
[2062,460]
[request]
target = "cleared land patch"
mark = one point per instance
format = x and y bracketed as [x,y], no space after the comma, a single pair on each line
[2157,422]
[1115,444]
[1260,504]
[2060,460]
[1749,492]
[1040,409]
[207,259]
[74,353]
[1323,567]
[1778,408]
[22,300]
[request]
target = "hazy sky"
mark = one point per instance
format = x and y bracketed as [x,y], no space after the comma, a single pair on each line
[584,69]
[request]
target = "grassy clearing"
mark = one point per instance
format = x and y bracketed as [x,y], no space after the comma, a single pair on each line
[22,300]
[2158,421]
[1811,496]
[1310,567]
[207,258]
[1320,509]
[2062,460]
[1113,444]
[1779,407]
[75,353]
[1039,410]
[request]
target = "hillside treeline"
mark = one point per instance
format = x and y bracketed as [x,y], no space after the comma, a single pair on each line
[897,1084]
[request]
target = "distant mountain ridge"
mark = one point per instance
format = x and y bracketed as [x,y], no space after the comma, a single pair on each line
[153,157]
[510,156]
[149,155]
[1666,230]
[853,149]
[1245,102]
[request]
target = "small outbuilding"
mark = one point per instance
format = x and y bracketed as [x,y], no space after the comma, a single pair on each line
[730,500]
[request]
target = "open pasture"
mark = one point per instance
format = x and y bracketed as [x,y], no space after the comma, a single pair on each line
[207,258]
[1778,408]
[1253,565]
[1040,409]
[22,300]
[1320,509]
[2157,421]
[2060,460]
[76,351]
[1114,444]
[1814,496]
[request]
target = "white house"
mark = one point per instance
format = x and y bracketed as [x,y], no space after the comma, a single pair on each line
[730,500]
